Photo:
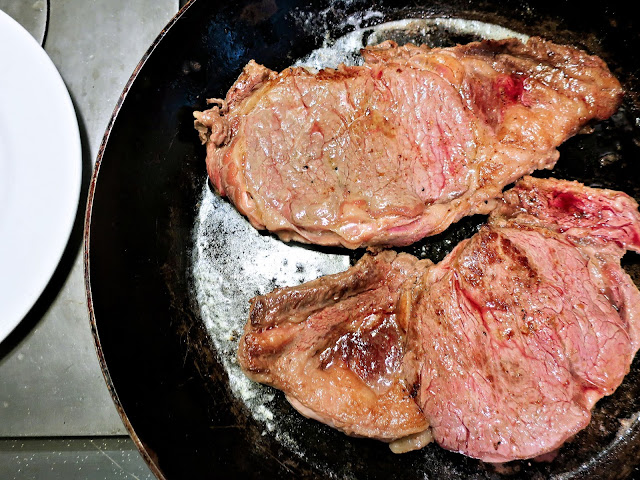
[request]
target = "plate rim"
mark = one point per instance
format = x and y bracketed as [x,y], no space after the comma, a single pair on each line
[66,150]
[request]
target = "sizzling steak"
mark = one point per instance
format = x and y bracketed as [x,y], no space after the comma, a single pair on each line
[403,146]
[337,334]
[499,352]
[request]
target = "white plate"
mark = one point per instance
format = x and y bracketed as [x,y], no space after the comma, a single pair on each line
[40,171]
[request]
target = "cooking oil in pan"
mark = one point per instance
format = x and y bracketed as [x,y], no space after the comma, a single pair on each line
[233,262]
[435,32]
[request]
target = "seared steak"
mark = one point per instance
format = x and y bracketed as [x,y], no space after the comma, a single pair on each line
[403,146]
[522,328]
[499,352]
[335,347]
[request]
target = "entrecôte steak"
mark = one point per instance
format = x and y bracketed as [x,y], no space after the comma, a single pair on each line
[399,148]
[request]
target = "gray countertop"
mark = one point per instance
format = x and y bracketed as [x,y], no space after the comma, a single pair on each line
[57,419]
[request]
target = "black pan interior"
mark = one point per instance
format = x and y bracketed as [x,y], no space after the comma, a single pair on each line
[158,361]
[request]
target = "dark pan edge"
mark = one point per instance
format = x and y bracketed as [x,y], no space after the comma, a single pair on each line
[148,456]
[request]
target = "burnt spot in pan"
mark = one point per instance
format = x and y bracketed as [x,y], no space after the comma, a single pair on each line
[153,218]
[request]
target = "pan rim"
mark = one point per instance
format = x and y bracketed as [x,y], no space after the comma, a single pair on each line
[148,456]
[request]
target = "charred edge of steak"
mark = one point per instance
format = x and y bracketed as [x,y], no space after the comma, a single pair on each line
[295,304]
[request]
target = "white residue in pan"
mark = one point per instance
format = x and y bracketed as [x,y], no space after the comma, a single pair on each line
[232,262]
[626,424]
[346,49]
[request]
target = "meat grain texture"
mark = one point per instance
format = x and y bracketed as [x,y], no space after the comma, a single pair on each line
[499,352]
[401,147]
